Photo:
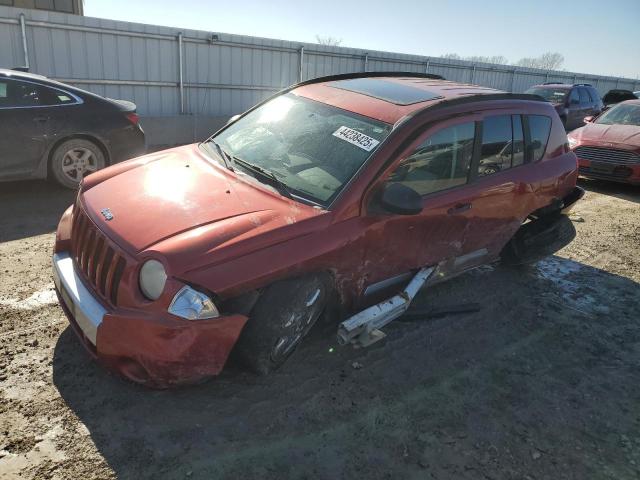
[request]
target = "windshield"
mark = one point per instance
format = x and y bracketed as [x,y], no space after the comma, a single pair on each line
[621,114]
[312,148]
[553,95]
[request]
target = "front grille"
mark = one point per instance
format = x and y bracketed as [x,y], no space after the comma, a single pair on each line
[618,173]
[101,264]
[607,155]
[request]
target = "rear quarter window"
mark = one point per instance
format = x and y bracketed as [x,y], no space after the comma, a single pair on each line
[539,130]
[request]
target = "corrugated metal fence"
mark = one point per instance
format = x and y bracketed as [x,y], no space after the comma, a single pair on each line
[167,71]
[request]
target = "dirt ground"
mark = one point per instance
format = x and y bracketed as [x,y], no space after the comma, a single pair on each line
[542,382]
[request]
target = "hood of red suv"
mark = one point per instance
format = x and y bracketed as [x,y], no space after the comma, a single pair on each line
[620,135]
[183,205]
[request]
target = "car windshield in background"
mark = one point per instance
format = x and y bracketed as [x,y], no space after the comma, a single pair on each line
[553,95]
[311,148]
[621,114]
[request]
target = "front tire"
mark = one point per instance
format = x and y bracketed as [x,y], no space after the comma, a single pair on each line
[281,318]
[74,159]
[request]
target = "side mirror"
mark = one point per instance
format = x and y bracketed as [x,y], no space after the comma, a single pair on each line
[233,119]
[400,199]
[589,119]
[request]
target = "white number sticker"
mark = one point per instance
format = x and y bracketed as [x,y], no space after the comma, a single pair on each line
[356,138]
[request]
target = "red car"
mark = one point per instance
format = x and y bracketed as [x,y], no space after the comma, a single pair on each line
[608,146]
[331,197]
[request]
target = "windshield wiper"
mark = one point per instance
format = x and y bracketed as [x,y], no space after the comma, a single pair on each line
[256,169]
[226,158]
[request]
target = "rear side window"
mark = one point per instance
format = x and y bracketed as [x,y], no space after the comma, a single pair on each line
[19,94]
[518,141]
[51,96]
[595,95]
[539,130]
[584,96]
[502,144]
[441,162]
[14,94]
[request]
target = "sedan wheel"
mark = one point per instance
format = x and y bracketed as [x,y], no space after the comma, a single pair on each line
[78,162]
[75,159]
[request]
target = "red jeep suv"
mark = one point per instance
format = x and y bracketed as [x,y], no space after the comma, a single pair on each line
[343,194]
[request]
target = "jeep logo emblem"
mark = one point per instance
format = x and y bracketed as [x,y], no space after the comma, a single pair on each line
[106,213]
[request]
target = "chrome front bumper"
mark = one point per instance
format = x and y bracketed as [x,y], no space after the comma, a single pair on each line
[85,309]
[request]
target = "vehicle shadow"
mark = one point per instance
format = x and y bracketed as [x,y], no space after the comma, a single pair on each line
[622,191]
[466,396]
[31,208]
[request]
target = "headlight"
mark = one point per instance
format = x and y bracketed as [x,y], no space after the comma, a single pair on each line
[152,279]
[572,142]
[193,305]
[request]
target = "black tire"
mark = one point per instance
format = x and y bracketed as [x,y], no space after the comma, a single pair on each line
[74,159]
[538,239]
[281,312]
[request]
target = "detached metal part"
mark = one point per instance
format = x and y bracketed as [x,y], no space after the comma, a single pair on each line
[363,329]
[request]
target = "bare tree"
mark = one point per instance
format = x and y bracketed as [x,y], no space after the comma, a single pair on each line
[496,59]
[546,61]
[328,40]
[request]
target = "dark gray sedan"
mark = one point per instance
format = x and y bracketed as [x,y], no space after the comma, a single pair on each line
[53,130]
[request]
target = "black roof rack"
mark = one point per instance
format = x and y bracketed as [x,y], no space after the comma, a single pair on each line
[582,85]
[349,76]
[481,97]
[554,83]
[21,69]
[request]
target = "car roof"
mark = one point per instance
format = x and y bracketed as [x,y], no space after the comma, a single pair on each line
[619,90]
[387,97]
[554,85]
[5,72]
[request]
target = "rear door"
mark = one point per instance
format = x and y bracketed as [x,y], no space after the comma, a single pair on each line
[586,105]
[499,205]
[574,115]
[23,125]
[31,116]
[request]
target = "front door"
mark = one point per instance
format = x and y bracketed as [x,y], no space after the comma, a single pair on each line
[437,166]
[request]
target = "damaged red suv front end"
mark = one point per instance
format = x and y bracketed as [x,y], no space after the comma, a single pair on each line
[104,241]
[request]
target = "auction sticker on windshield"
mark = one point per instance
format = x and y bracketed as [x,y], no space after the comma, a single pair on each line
[356,138]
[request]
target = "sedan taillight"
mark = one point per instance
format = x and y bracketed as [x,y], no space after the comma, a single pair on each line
[133,117]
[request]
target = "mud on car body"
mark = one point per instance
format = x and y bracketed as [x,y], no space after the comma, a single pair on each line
[328,197]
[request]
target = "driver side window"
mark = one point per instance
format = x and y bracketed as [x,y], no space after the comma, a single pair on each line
[441,162]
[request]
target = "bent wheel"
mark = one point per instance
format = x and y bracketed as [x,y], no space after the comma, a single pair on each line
[279,321]
[74,159]
[538,239]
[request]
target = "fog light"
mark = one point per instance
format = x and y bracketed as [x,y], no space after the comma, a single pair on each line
[193,305]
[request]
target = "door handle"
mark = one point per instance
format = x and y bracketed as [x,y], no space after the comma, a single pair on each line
[459,208]
[41,119]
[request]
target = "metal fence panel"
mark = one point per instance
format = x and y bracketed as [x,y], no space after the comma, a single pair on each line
[222,74]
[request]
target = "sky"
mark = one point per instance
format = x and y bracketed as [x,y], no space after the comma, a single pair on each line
[594,36]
